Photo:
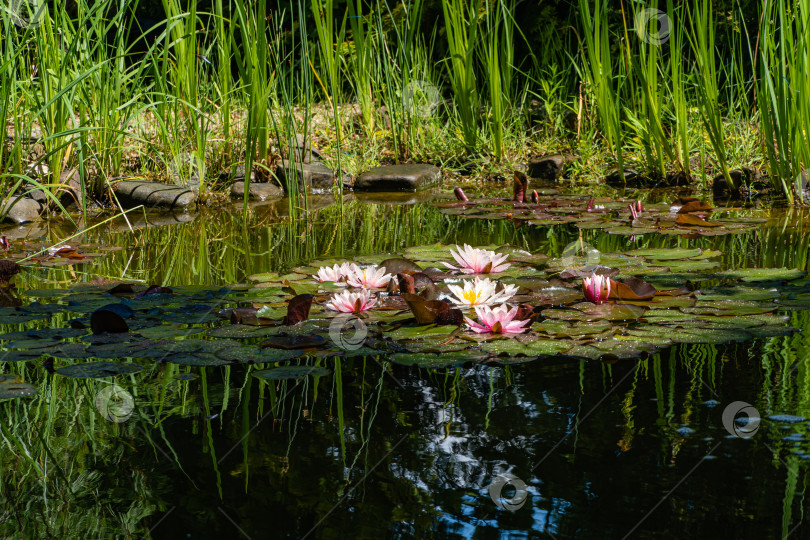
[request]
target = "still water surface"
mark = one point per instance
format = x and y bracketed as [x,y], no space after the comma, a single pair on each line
[631,449]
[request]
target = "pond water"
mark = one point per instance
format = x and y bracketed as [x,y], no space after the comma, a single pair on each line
[630,448]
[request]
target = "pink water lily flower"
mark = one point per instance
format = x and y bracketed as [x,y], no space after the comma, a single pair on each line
[596,288]
[500,320]
[636,209]
[477,261]
[351,302]
[337,273]
[328,273]
[370,278]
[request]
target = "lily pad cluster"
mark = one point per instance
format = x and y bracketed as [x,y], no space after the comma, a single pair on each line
[657,297]
[685,216]
[25,252]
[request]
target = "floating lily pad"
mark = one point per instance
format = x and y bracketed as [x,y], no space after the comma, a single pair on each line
[295,342]
[19,356]
[169,331]
[15,316]
[203,359]
[291,372]
[16,389]
[45,333]
[513,347]
[663,254]
[29,344]
[762,274]
[98,370]
[240,331]
[255,355]
[427,360]
[186,376]
[47,293]
[137,349]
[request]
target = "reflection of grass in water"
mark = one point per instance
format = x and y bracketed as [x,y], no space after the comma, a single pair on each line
[65,445]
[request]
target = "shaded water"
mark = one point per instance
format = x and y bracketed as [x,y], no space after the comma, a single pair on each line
[632,449]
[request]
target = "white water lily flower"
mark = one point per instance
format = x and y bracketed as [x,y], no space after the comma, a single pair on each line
[477,261]
[371,278]
[481,292]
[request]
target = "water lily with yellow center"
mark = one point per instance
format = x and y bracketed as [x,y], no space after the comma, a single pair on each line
[370,278]
[477,261]
[499,320]
[481,292]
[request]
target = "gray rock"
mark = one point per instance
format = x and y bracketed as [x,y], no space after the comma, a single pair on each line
[20,209]
[68,193]
[305,151]
[549,167]
[257,191]
[132,193]
[237,174]
[411,177]
[317,176]
[631,178]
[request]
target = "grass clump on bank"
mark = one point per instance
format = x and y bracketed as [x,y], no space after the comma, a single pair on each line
[679,92]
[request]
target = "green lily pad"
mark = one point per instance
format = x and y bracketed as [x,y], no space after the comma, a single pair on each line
[240,331]
[202,359]
[291,372]
[513,347]
[428,360]
[762,274]
[420,332]
[255,355]
[13,316]
[29,344]
[47,293]
[169,331]
[19,356]
[664,254]
[98,370]
[14,390]
[136,349]
[45,333]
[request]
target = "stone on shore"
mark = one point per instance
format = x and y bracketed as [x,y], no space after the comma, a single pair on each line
[258,191]
[549,167]
[409,177]
[152,195]
[317,176]
[21,209]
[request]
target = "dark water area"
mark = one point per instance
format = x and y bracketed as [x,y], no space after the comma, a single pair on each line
[633,448]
